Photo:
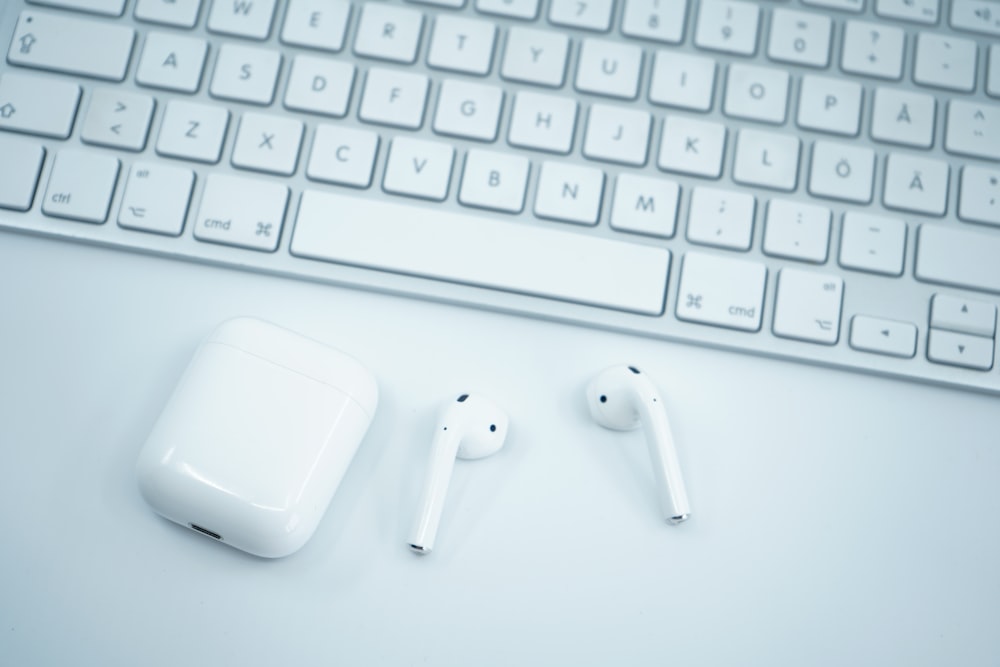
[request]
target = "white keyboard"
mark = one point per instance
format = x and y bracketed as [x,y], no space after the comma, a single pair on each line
[814,180]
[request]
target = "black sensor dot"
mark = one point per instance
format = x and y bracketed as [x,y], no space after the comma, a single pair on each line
[603,399]
[493,428]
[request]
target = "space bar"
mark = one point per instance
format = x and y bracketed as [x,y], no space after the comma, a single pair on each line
[476,250]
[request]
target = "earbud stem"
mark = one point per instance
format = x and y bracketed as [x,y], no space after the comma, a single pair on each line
[443,452]
[666,467]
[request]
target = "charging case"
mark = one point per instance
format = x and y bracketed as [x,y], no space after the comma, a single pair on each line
[256,437]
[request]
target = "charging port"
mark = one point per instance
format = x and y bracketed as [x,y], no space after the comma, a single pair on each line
[205,531]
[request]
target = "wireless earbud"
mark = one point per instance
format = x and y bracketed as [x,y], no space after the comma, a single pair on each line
[622,398]
[472,427]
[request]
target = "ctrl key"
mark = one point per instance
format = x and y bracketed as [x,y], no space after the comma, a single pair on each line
[20,164]
[80,186]
[241,212]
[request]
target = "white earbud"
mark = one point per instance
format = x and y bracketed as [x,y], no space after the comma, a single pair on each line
[622,398]
[472,427]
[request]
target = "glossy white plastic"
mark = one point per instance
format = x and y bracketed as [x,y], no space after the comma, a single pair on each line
[256,437]
[472,427]
[622,398]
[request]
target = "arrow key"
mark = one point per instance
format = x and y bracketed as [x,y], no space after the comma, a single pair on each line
[955,349]
[881,336]
[969,316]
[118,119]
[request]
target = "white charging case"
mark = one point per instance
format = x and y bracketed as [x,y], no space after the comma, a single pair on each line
[256,437]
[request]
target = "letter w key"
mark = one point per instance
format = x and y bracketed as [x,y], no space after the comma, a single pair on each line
[243,18]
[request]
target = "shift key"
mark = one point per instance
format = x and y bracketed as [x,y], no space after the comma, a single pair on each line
[71,45]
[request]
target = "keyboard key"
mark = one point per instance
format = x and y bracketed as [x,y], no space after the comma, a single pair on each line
[569,193]
[172,62]
[797,231]
[681,80]
[873,243]
[156,198]
[470,110]
[767,159]
[882,336]
[316,24]
[462,45]
[71,45]
[945,62]
[495,181]
[692,147]
[916,184]
[106,7]
[177,13]
[958,257]
[980,16]
[617,134]
[917,11]
[19,171]
[585,14]
[193,131]
[535,56]
[451,4]
[807,306]
[903,118]
[993,72]
[721,291]
[843,5]
[977,318]
[246,74]
[544,122]
[800,38]
[873,49]
[517,9]
[81,186]
[388,32]
[973,129]
[729,26]
[842,171]
[830,105]
[644,205]
[657,20]
[609,68]
[319,85]
[394,98]
[118,119]
[721,218]
[756,93]
[34,105]
[343,155]
[483,252]
[268,143]
[241,212]
[242,18]
[955,349]
[418,168]
[979,196]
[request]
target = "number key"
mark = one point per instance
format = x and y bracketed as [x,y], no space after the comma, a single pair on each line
[728,25]
[800,38]
[659,20]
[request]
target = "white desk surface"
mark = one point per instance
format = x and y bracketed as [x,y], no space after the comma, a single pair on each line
[837,519]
